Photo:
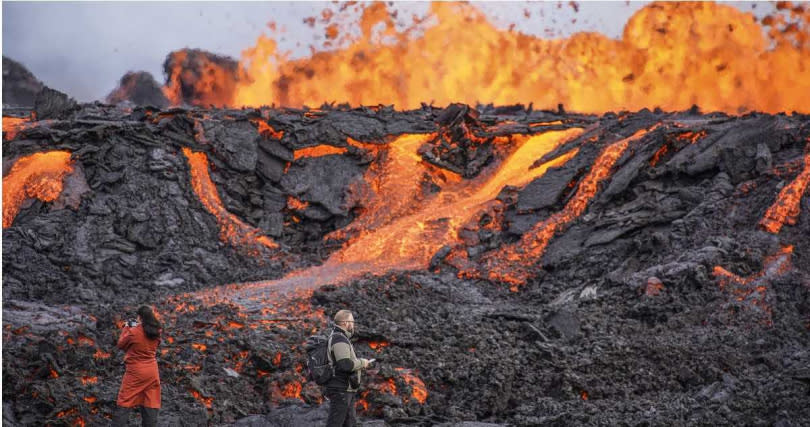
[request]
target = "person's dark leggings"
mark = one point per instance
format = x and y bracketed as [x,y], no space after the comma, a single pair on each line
[121,417]
[341,409]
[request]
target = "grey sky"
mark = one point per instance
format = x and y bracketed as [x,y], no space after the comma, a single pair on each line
[83,48]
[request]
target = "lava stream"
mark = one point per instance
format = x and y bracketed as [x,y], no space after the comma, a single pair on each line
[12,125]
[38,175]
[510,263]
[786,208]
[232,229]
[408,241]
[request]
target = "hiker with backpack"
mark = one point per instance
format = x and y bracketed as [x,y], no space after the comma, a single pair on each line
[332,363]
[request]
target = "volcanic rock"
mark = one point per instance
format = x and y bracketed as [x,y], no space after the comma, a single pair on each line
[457,147]
[20,87]
[52,104]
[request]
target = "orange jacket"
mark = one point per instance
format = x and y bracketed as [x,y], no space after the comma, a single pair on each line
[141,383]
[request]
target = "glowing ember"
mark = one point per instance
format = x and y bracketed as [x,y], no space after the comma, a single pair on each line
[291,390]
[39,175]
[418,389]
[653,288]
[197,346]
[510,263]
[671,55]
[277,359]
[378,345]
[100,355]
[54,374]
[753,289]
[232,229]
[89,380]
[90,399]
[786,208]
[207,401]
[658,154]
[84,340]
[361,405]
[583,395]
[388,387]
[296,204]
[266,130]
[692,137]
[67,413]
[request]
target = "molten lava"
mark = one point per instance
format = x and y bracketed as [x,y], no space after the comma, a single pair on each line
[400,227]
[12,125]
[291,390]
[753,289]
[402,231]
[296,204]
[378,345]
[510,264]
[318,151]
[207,401]
[232,229]
[266,130]
[418,389]
[89,380]
[39,175]
[786,208]
[671,55]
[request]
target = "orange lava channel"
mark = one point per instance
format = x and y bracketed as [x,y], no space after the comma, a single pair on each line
[508,264]
[400,229]
[232,229]
[409,241]
[38,175]
[786,208]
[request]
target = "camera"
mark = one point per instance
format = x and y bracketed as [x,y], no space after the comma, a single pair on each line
[132,323]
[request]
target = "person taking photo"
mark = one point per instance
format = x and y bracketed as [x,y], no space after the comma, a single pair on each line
[140,387]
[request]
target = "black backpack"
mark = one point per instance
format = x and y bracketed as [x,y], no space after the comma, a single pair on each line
[319,360]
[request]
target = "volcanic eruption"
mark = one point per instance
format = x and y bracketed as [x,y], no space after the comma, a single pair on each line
[620,235]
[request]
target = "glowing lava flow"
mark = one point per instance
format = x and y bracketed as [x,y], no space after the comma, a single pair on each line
[510,264]
[232,230]
[12,125]
[38,175]
[753,289]
[671,55]
[403,232]
[786,208]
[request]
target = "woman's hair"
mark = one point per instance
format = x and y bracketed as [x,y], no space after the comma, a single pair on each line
[151,326]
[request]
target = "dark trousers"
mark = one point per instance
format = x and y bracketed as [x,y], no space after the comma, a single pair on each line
[121,417]
[341,409]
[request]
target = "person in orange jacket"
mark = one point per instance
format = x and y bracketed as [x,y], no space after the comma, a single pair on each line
[141,384]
